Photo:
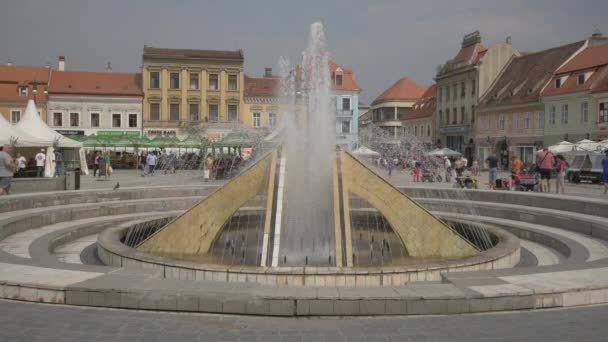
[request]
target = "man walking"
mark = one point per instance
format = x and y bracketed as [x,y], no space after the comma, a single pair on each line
[151,160]
[21,165]
[59,169]
[605,172]
[6,171]
[40,158]
[544,163]
[493,170]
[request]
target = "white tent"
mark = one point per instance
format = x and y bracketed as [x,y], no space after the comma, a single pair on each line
[587,145]
[561,147]
[365,152]
[444,152]
[34,126]
[9,134]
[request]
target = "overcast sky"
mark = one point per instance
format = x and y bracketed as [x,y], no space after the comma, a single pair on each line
[381,40]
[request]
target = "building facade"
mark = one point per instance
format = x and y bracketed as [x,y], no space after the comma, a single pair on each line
[261,102]
[460,84]
[571,109]
[95,103]
[346,98]
[600,94]
[394,102]
[418,123]
[200,89]
[511,116]
[18,84]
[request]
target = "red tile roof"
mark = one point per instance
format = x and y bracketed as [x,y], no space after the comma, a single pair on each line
[348,78]
[589,58]
[602,86]
[571,86]
[403,90]
[152,51]
[265,86]
[95,83]
[425,107]
[13,76]
[472,53]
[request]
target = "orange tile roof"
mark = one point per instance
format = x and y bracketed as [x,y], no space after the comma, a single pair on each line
[571,86]
[470,53]
[589,58]
[402,90]
[348,78]
[602,86]
[95,83]
[425,107]
[151,51]
[13,76]
[264,86]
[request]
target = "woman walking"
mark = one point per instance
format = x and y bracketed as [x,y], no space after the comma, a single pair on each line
[561,173]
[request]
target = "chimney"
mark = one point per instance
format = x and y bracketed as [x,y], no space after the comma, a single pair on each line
[9,62]
[61,66]
[109,67]
[267,72]
[596,39]
[508,40]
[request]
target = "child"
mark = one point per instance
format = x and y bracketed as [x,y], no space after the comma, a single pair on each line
[416,173]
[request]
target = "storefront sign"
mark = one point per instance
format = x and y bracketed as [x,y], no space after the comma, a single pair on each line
[70,132]
[117,133]
[457,129]
[158,132]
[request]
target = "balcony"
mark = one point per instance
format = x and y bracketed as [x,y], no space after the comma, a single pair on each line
[344,113]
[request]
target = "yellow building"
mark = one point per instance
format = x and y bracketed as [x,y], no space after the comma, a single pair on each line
[260,107]
[186,88]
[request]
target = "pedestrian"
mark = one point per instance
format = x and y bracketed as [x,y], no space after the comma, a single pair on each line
[96,164]
[7,167]
[40,159]
[544,164]
[21,163]
[492,170]
[475,168]
[106,164]
[459,165]
[416,172]
[515,167]
[605,172]
[561,172]
[143,163]
[151,160]
[390,167]
[59,166]
[208,168]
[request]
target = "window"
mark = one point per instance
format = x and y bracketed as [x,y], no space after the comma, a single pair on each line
[447,93]
[581,79]
[428,130]
[526,121]
[213,82]
[213,114]
[346,103]
[272,120]
[155,111]
[584,112]
[174,80]
[58,119]
[338,80]
[154,80]
[132,120]
[540,120]
[15,116]
[462,89]
[23,91]
[439,94]
[194,113]
[604,112]
[501,122]
[256,119]
[455,92]
[564,114]
[116,120]
[463,115]
[194,81]
[74,119]
[455,118]
[346,127]
[447,116]
[552,116]
[174,111]
[516,123]
[232,113]
[232,83]
[558,83]
[473,114]
[440,116]
[94,119]
[473,87]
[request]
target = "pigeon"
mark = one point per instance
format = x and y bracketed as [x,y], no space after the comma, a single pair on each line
[116,186]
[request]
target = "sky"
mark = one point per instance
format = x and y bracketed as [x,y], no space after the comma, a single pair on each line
[382,41]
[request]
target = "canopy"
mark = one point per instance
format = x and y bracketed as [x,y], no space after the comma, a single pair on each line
[10,134]
[32,124]
[365,152]
[444,152]
[588,145]
[560,147]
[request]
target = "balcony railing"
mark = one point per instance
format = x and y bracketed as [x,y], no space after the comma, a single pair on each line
[341,113]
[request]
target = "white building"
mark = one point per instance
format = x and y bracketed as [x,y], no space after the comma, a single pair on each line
[95,103]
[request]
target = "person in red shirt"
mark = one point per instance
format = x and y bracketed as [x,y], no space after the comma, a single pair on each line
[561,171]
[544,163]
